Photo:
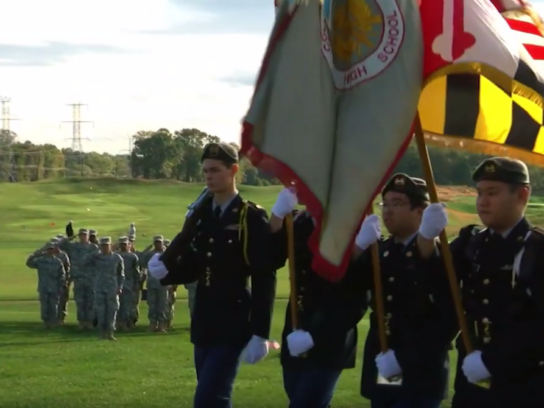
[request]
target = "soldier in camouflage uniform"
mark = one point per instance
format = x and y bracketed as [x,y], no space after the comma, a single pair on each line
[108,286]
[172,296]
[157,295]
[65,291]
[93,236]
[130,287]
[81,274]
[51,278]
[143,277]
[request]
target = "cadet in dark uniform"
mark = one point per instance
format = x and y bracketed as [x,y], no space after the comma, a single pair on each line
[502,278]
[325,341]
[419,312]
[223,246]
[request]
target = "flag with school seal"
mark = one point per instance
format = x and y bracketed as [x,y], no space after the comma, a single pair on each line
[332,113]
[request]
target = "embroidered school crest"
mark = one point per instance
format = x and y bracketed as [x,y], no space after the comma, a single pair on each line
[360,38]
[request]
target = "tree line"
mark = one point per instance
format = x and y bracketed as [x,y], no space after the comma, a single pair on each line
[176,155]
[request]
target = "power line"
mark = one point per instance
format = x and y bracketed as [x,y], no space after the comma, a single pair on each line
[76,122]
[6,115]
[65,155]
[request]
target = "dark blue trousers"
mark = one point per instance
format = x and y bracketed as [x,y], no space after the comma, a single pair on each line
[216,368]
[310,388]
[407,403]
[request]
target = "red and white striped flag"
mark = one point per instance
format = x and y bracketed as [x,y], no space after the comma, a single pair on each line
[527,26]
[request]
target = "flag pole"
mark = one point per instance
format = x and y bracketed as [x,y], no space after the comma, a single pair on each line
[292,278]
[293,297]
[378,292]
[446,253]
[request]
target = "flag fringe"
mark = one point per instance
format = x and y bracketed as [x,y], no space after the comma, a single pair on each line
[486,148]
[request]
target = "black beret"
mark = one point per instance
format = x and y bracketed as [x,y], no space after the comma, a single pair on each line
[502,169]
[411,186]
[220,151]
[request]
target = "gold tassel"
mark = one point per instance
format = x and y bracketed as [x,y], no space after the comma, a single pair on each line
[242,229]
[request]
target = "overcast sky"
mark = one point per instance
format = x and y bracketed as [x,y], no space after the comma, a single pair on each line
[137,64]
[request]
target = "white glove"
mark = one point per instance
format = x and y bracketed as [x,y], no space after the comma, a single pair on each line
[474,368]
[299,342]
[256,350]
[433,221]
[285,203]
[369,233]
[156,268]
[387,364]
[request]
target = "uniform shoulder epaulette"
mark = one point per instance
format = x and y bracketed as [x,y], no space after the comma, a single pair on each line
[253,205]
[538,230]
[384,239]
[471,230]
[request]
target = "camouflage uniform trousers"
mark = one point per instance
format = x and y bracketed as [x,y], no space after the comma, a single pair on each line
[170,307]
[191,295]
[84,298]
[136,306]
[157,301]
[63,302]
[106,305]
[126,308]
[49,305]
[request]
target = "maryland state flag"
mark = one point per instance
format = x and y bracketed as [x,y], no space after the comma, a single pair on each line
[340,86]
[484,77]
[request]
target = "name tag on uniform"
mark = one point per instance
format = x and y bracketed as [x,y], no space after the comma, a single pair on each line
[233,227]
[507,267]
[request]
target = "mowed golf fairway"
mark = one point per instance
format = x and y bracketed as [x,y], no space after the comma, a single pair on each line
[66,368]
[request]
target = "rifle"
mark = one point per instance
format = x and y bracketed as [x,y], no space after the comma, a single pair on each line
[179,243]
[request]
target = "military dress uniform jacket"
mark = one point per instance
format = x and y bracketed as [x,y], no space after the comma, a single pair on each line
[329,311]
[420,322]
[505,314]
[225,254]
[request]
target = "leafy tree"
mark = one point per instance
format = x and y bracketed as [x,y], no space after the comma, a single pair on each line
[162,154]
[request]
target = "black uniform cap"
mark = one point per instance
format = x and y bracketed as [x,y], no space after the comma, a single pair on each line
[502,169]
[220,151]
[411,186]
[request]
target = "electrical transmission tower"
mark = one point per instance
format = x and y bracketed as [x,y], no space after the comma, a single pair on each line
[6,115]
[76,122]
[7,164]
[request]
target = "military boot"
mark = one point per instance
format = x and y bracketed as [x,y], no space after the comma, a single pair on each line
[121,326]
[82,325]
[101,335]
[161,328]
[152,327]
[110,336]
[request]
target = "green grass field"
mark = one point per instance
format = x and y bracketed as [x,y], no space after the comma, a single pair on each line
[66,368]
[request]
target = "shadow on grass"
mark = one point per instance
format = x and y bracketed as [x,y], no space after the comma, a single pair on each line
[16,334]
